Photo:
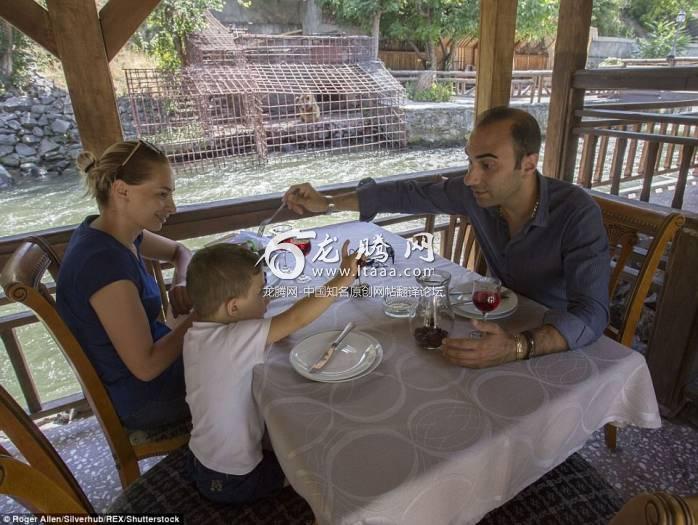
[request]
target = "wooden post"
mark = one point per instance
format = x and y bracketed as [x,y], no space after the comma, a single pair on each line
[80,43]
[496,46]
[571,44]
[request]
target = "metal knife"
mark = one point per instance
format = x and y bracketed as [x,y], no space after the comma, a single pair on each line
[322,362]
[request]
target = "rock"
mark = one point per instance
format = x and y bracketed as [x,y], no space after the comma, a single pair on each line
[38,109]
[6,180]
[14,104]
[28,122]
[27,166]
[60,126]
[43,121]
[8,140]
[11,160]
[6,150]
[51,174]
[38,132]
[30,139]
[47,146]
[37,172]
[24,150]
[14,125]
[47,100]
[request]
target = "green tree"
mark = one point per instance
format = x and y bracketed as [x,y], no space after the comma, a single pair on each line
[365,13]
[166,29]
[660,41]
[607,17]
[650,12]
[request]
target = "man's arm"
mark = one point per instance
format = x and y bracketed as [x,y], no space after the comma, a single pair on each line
[441,196]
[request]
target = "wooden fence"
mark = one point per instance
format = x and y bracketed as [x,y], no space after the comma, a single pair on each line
[533,84]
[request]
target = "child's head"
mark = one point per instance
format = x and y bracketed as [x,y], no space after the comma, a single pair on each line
[225,284]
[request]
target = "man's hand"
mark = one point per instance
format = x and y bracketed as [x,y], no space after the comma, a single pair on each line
[349,266]
[179,300]
[494,347]
[303,197]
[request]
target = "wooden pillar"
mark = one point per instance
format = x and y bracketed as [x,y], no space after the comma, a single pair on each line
[78,35]
[496,48]
[571,47]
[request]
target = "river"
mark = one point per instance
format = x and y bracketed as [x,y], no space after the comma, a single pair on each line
[34,205]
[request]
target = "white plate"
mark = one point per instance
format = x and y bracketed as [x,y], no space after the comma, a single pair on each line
[349,360]
[378,357]
[506,307]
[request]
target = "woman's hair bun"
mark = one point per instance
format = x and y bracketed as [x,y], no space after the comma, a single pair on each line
[86,161]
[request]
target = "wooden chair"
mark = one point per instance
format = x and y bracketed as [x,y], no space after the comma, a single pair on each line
[35,491]
[21,280]
[459,244]
[658,508]
[45,484]
[625,223]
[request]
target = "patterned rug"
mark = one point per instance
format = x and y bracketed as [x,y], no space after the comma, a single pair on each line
[646,460]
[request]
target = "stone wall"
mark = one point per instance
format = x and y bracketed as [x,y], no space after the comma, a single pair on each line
[447,124]
[38,132]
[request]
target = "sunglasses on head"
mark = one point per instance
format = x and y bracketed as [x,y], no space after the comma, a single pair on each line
[139,143]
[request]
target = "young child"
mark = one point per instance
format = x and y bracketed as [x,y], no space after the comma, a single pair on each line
[231,336]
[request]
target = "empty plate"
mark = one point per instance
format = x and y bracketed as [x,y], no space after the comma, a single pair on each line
[356,355]
[506,307]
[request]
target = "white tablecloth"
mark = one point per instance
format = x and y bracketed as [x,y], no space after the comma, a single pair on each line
[420,441]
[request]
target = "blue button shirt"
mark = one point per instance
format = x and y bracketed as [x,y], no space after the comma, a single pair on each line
[92,260]
[560,258]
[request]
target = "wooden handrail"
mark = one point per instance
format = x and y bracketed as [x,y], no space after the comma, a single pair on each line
[669,139]
[635,116]
[680,79]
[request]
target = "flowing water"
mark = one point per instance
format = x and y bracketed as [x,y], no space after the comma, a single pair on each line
[36,205]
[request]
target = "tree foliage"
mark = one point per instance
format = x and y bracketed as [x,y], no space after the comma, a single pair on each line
[607,17]
[661,39]
[650,12]
[166,29]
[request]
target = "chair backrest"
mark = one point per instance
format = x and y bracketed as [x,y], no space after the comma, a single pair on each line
[21,280]
[153,266]
[37,451]
[459,244]
[35,491]
[626,223]
[658,508]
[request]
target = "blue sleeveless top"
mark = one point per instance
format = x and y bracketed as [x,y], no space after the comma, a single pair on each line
[93,260]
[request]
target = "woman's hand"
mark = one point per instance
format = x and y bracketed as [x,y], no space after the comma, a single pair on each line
[179,299]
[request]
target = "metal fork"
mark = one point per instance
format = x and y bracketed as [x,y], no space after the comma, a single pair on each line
[265,222]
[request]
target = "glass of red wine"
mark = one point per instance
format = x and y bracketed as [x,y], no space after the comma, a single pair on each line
[304,246]
[487,294]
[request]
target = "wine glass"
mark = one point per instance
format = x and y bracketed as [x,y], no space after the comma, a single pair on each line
[487,294]
[304,246]
[282,227]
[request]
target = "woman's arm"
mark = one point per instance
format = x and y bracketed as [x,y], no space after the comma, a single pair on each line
[119,309]
[161,248]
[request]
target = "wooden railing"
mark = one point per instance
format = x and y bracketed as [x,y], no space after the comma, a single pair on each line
[623,143]
[533,84]
[190,222]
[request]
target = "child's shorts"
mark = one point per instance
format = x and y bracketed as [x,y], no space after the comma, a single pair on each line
[265,479]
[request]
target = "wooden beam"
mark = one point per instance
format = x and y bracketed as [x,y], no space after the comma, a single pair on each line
[32,20]
[573,26]
[81,48]
[120,19]
[655,78]
[496,47]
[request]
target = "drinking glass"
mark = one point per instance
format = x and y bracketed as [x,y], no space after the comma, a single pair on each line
[304,245]
[487,294]
[433,318]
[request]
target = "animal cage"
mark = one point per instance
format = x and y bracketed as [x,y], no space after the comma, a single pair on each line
[259,96]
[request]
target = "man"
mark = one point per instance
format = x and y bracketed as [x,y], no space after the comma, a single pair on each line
[543,238]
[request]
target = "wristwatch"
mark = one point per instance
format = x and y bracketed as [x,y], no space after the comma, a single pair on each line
[331,207]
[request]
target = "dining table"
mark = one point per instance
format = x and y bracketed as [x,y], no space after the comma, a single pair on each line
[420,440]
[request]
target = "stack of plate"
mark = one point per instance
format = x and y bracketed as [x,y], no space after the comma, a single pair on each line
[357,356]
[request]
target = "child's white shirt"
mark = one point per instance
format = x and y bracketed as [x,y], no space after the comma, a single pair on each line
[218,362]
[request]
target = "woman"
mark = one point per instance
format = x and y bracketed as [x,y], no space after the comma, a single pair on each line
[107,297]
